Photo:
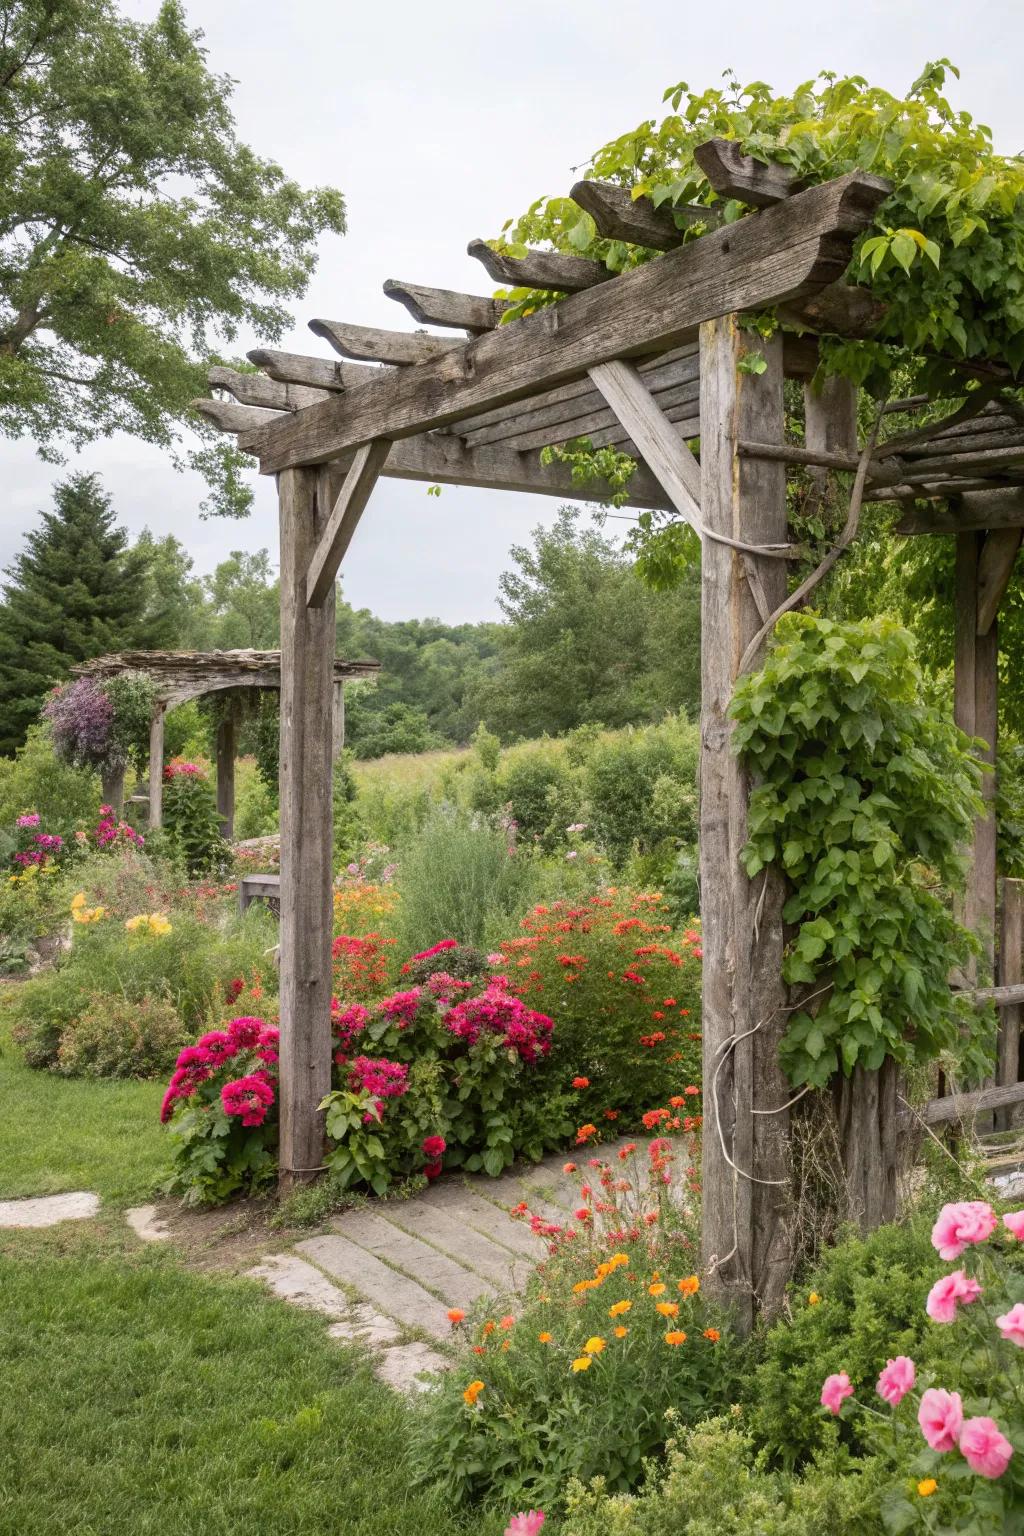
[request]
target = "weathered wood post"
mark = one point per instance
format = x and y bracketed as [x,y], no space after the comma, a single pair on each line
[1011,973]
[226,775]
[112,788]
[975,709]
[307,661]
[338,740]
[746,1164]
[156,766]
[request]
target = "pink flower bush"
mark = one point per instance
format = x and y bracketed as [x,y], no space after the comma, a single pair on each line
[30,819]
[197,1063]
[249,1098]
[525,1524]
[985,1448]
[897,1379]
[835,1390]
[957,1289]
[1011,1325]
[967,1222]
[940,1416]
[497,1011]
[379,1077]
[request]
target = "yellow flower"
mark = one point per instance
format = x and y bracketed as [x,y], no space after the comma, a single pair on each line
[544,1338]
[620,1332]
[472,1392]
[585,1285]
[78,901]
[594,1346]
[582,1364]
[619,1308]
[668,1308]
[618,1259]
[690,1286]
[813,1299]
[926,1487]
[677,1336]
[658,1288]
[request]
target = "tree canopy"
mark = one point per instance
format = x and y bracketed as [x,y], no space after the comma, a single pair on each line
[137,235]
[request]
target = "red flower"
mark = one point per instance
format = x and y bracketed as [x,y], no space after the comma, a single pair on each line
[432,1170]
[434,1148]
[581,1082]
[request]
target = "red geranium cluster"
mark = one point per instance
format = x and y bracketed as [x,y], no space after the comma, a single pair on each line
[379,1077]
[360,965]
[197,1063]
[497,1011]
[110,829]
[428,954]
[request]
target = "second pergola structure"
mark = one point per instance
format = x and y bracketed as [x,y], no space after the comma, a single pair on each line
[642,361]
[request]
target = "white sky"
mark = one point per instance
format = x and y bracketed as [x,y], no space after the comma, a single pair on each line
[440,120]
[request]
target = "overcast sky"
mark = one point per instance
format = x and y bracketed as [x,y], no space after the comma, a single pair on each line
[440,120]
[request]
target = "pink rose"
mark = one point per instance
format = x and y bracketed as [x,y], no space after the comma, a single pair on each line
[984,1448]
[940,1416]
[969,1221]
[1011,1325]
[949,1292]
[897,1379]
[834,1391]
[1013,1221]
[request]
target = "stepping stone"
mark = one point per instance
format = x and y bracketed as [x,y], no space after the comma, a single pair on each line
[439,1227]
[394,1293]
[48,1210]
[146,1224]
[300,1283]
[401,1367]
[364,1325]
[458,1287]
[466,1206]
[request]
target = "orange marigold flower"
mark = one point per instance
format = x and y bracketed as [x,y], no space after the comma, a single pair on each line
[690,1286]
[581,1082]
[668,1308]
[473,1391]
[455,1316]
[657,1289]
[594,1345]
[611,1114]
[620,1332]
[507,1322]
[585,1132]
[544,1338]
[712,1334]
[619,1308]
[676,1337]
[677,1101]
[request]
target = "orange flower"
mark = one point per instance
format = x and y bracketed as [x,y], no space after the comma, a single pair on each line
[569,1168]
[619,1308]
[690,1285]
[505,1344]
[544,1338]
[712,1334]
[676,1337]
[594,1346]
[620,1332]
[668,1308]
[507,1322]
[455,1316]
[585,1132]
[489,1328]
[582,1364]
[472,1392]
[813,1299]
[581,1082]
[657,1289]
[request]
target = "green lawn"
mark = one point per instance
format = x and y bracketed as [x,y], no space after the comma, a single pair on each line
[142,1399]
[60,1134]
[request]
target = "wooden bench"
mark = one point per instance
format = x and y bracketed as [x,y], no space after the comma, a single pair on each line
[265,888]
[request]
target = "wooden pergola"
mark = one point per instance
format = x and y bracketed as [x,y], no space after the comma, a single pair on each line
[642,361]
[178,677]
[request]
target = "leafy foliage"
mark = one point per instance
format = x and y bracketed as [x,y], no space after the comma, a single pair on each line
[191,820]
[867,793]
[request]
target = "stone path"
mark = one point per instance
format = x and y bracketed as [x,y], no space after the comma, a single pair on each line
[48,1210]
[385,1276]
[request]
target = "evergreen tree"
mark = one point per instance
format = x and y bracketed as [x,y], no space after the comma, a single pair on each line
[75,591]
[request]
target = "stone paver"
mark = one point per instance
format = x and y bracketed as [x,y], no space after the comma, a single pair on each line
[437,1226]
[48,1210]
[465,1205]
[302,1284]
[146,1224]
[394,1293]
[400,1367]
[364,1325]
[437,1272]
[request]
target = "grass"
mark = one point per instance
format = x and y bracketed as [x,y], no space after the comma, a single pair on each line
[59,1134]
[145,1399]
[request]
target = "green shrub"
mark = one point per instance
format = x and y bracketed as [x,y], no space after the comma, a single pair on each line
[459,881]
[113,1037]
[191,821]
[256,809]
[532,783]
[641,789]
[34,780]
[348,827]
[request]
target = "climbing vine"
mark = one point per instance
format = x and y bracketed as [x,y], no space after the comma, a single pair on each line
[867,794]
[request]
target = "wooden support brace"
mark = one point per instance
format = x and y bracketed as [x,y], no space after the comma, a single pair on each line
[995,567]
[368,343]
[1011,975]
[344,519]
[663,450]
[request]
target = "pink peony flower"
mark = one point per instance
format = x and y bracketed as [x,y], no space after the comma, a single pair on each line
[1011,1325]
[525,1524]
[897,1379]
[968,1221]
[985,1449]
[949,1292]
[834,1391]
[1013,1221]
[940,1416]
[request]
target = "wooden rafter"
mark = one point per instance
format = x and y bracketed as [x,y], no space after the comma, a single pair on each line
[797,247]
[319,372]
[548,270]
[619,216]
[258,389]
[371,344]
[443,306]
[734,174]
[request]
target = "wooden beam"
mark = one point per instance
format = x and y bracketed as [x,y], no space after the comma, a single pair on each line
[967,513]
[745,1242]
[549,270]
[661,447]
[257,389]
[602,426]
[619,216]
[156,767]
[964,1106]
[1000,997]
[370,344]
[226,776]
[320,372]
[443,306]
[838,310]
[344,519]
[975,710]
[307,689]
[1011,974]
[801,245]
[995,567]
[230,417]
[734,174]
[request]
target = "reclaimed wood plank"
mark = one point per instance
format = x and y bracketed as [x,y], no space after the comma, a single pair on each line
[355,492]
[1011,974]
[373,344]
[734,174]
[965,1106]
[799,246]
[443,306]
[548,270]
[995,568]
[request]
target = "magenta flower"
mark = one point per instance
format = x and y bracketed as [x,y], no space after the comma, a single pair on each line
[940,1416]
[834,1391]
[968,1221]
[30,819]
[897,1379]
[985,1449]
[434,1147]
[525,1524]
[249,1098]
[1011,1325]
[953,1290]
[1013,1221]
